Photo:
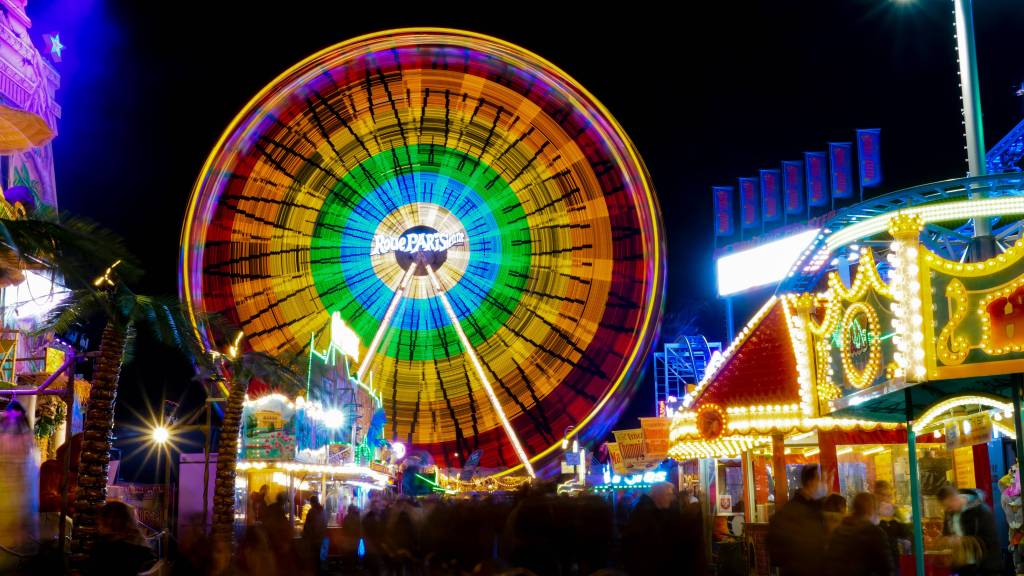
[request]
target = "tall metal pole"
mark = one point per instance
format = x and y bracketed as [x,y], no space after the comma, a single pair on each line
[65,463]
[1018,422]
[915,486]
[983,244]
[730,322]
[207,433]
[969,87]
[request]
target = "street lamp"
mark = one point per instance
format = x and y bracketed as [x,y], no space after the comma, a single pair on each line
[565,439]
[161,435]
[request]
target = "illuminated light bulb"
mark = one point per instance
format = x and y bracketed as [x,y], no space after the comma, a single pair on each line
[334,418]
[161,435]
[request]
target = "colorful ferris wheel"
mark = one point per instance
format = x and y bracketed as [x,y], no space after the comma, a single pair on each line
[479,220]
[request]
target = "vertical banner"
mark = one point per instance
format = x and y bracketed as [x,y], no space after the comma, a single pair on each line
[631,443]
[723,196]
[869,155]
[615,457]
[817,186]
[750,200]
[841,170]
[793,187]
[656,442]
[771,196]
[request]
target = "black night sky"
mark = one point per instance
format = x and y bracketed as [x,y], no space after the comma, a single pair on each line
[706,95]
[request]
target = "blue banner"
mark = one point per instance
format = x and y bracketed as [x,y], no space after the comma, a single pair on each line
[793,187]
[771,196]
[841,169]
[723,198]
[750,201]
[817,185]
[869,155]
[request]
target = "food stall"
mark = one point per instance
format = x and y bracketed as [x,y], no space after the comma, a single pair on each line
[755,419]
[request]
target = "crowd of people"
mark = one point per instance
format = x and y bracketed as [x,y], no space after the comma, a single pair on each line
[538,532]
[533,531]
[815,534]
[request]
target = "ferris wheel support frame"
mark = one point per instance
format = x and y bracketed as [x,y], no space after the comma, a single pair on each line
[396,299]
[513,438]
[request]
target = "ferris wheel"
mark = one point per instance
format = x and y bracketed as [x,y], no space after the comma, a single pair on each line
[477,218]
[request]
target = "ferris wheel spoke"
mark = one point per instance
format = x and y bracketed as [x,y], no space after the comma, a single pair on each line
[384,324]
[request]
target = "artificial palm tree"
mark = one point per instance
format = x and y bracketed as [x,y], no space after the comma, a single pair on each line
[93,263]
[236,369]
[122,312]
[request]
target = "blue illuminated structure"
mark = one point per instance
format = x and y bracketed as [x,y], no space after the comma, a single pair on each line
[679,364]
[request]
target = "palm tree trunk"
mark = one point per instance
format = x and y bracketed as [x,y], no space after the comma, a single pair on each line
[227,455]
[91,493]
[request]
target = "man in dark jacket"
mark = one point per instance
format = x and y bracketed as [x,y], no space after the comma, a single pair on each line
[655,525]
[972,523]
[314,531]
[796,533]
[858,547]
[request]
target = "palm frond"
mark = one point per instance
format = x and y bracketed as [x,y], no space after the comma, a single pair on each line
[80,307]
[77,247]
[131,338]
[282,373]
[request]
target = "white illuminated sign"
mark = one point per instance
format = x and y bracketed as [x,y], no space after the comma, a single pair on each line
[344,338]
[649,477]
[762,265]
[413,243]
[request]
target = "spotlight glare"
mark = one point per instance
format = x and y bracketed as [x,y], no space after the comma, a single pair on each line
[161,435]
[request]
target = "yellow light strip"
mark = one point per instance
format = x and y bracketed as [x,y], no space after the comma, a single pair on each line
[874,450]
[944,212]
[719,448]
[712,370]
[480,371]
[798,333]
[948,404]
[755,422]
[350,469]
[403,285]
[998,263]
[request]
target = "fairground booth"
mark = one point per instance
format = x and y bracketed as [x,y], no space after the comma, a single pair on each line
[889,352]
[325,440]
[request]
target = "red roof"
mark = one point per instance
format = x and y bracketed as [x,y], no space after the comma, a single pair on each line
[762,370]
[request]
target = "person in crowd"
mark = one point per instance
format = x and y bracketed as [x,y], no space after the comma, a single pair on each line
[970,528]
[120,549]
[655,524]
[530,531]
[796,533]
[893,520]
[314,534]
[833,509]
[858,547]
[256,555]
[352,528]
[258,504]
[279,530]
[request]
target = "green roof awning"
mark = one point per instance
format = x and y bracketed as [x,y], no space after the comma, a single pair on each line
[887,402]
